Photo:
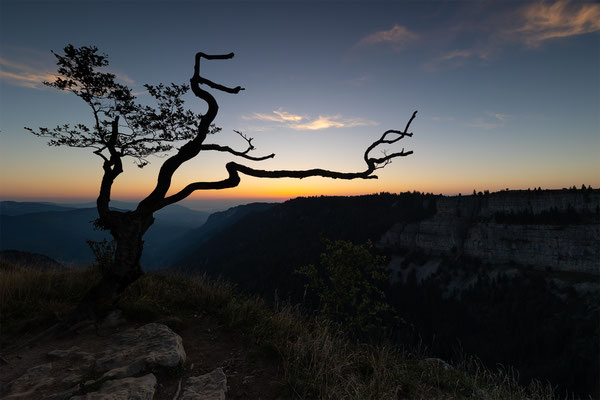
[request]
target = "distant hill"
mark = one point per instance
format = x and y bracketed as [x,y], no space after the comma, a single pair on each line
[58,234]
[260,251]
[186,244]
[175,214]
[11,257]
[15,208]
[60,231]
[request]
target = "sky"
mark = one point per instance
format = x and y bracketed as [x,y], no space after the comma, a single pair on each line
[507,93]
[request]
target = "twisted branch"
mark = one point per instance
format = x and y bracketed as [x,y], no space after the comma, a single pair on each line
[193,147]
[234,169]
[243,154]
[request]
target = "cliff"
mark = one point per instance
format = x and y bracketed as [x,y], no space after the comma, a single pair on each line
[556,229]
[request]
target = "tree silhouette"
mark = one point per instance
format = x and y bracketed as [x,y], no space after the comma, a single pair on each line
[124,128]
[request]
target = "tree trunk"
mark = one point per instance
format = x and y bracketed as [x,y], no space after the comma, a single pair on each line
[127,230]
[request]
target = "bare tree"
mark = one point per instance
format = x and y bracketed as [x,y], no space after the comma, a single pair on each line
[124,128]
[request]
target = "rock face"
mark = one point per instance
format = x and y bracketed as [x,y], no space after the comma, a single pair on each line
[472,226]
[567,248]
[122,370]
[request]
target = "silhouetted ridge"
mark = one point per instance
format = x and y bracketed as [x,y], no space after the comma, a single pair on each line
[26,258]
[15,208]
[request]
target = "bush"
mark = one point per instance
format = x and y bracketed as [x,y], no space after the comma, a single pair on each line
[349,283]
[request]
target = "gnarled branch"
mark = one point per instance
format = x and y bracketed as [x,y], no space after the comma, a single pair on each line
[243,154]
[234,169]
[193,147]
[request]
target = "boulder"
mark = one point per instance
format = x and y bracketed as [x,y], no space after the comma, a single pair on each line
[137,350]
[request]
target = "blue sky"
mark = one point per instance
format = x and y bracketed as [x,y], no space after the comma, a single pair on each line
[507,92]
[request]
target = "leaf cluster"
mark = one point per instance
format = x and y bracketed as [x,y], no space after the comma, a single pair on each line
[143,130]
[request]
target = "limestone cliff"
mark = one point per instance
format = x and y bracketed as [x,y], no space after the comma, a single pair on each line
[557,229]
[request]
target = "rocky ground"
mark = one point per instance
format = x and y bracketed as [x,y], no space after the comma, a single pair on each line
[122,360]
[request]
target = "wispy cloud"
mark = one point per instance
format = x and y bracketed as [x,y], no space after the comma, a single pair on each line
[294,121]
[493,121]
[481,36]
[124,78]
[398,36]
[23,75]
[276,116]
[332,121]
[453,59]
[544,21]
[501,117]
[286,116]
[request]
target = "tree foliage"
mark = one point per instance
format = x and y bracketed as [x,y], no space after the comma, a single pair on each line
[144,130]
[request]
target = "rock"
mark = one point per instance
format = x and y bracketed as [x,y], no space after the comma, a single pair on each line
[72,379]
[74,353]
[141,388]
[136,350]
[35,378]
[211,386]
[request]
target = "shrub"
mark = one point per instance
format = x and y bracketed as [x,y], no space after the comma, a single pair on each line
[349,283]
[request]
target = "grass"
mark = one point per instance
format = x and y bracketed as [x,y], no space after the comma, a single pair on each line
[317,359]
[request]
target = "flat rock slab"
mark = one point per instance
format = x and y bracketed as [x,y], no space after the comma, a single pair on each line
[211,386]
[141,388]
[137,350]
[35,378]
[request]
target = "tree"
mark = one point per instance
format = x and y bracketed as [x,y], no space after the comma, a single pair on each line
[124,128]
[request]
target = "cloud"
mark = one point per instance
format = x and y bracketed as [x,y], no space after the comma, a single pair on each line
[285,116]
[19,74]
[543,21]
[501,117]
[398,36]
[453,59]
[483,32]
[292,121]
[23,75]
[332,121]
[124,78]
[456,54]
[280,116]
[494,120]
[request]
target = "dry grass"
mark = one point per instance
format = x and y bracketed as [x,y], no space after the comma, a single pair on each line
[317,359]
[30,295]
